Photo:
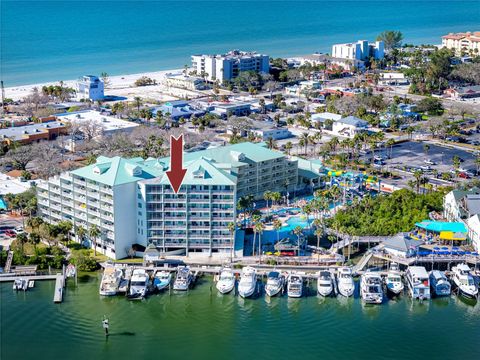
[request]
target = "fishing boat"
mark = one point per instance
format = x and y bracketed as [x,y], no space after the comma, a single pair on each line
[275,283]
[439,283]
[138,284]
[226,281]
[325,283]
[371,288]
[184,279]
[463,282]
[393,280]
[20,284]
[248,282]
[162,280]
[418,282]
[110,281]
[294,285]
[346,285]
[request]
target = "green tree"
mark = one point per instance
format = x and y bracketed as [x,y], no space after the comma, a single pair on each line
[392,39]
[94,233]
[298,231]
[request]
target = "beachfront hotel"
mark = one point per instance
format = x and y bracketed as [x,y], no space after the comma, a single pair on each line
[361,50]
[462,42]
[228,66]
[131,200]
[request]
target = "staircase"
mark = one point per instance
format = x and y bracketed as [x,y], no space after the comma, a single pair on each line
[363,262]
[8,264]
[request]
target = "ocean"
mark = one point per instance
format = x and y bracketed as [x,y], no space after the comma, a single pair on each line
[61,40]
[201,324]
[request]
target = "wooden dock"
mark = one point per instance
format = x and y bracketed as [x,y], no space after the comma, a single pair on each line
[59,282]
[58,294]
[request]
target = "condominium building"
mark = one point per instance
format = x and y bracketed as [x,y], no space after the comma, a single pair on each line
[103,194]
[131,200]
[468,42]
[90,87]
[196,220]
[226,67]
[361,50]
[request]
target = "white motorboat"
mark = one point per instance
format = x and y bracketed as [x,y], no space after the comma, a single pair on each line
[31,284]
[162,280]
[439,283]
[325,283]
[346,285]
[371,288]
[418,282]
[226,281]
[295,286]
[393,280]
[248,282]
[184,279]
[138,284]
[275,283]
[110,281]
[463,281]
[20,284]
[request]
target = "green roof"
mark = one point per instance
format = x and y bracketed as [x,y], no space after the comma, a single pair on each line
[233,155]
[117,170]
[201,172]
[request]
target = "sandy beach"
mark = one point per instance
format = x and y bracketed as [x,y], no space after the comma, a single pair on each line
[120,85]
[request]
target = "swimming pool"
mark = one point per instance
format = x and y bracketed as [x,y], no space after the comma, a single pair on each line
[3,204]
[295,221]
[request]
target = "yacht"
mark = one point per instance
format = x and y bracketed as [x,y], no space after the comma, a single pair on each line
[325,283]
[275,283]
[418,282]
[393,280]
[20,284]
[162,280]
[463,280]
[138,284]
[248,282]
[110,281]
[294,286]
[439,283]
[346,285]
[226,281]
[184,279]
[371,288]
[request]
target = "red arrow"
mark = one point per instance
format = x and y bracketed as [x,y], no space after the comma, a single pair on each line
[176,172]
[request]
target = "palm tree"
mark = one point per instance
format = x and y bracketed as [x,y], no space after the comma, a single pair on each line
[306,141]
[477,164]
[418,179]
[288,147]
[426,147]
[245,204]
[231,228]
[80,232]
[258,228]
[34,239]
[94,233]
[22,239]
[138,102]
[267,195]
[255,219]
[390,142]
[298,231]
[271,143]
[277,225]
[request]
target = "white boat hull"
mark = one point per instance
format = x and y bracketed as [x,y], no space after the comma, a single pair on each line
[225,288]
[272,291]
[346,292]
[325,292]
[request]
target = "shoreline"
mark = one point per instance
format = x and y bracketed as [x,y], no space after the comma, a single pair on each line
[117,82]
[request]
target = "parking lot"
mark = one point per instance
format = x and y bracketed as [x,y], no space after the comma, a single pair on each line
[412,155]
[8,222]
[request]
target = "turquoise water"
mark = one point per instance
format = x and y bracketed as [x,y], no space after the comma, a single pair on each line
[60,40]
[3,204]
[204,325]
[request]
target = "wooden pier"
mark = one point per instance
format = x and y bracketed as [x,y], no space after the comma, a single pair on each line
[59,284]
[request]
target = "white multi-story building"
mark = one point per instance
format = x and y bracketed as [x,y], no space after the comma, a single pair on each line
[103,194]
[131,200]
[463,42]
[464,206]
[196,220]
[90,87]
[361,50]
[226,67]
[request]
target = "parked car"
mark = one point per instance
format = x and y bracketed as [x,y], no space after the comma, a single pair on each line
[463,175]
[10,233]
[430,162]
